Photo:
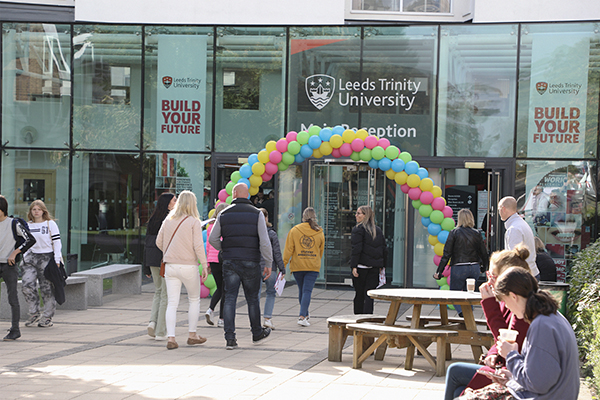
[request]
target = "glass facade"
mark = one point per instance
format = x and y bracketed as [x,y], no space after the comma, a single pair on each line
[99,120]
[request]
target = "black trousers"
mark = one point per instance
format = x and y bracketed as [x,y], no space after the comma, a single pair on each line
[367,279]
[217,272]
[10,275]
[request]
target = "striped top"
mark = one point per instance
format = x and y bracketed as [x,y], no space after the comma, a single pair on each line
[43,243]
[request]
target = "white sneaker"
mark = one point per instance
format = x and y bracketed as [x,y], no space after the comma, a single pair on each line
[303,322]
[151,327]
[221,323]
[160,338]
[209,316]
[268,323]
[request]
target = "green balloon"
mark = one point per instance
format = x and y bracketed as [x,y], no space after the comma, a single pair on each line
[405,156]
[229,200]
[235,176]
[294,148]
[365,154]
[302,137]
[447,224]
[213,290]
[445,287]
[436,216]
[282,166]
[229,187]
[355,156]
[210,282]
[416,204]
[442,281]
[287,158]
[378,152]
[392,152]
[425,210]
[314,130]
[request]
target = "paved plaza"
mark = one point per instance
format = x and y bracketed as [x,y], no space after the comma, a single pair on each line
[105,353]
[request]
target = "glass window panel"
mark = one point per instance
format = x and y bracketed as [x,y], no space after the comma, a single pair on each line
[558,200]
[178,87]
[477,90]
[107,86]
[399,103]
[36,84]
[321,59]
[558,91]
[105,209]
[249,105]
[426,6]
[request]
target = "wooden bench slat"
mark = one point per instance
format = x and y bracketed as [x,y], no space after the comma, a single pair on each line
[398,330]
[430,318]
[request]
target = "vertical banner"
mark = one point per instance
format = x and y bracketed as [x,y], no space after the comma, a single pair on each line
[558,95]
[181,92]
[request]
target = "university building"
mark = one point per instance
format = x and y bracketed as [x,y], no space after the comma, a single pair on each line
[105,109]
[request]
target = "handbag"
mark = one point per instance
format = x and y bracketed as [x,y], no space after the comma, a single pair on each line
[162,263]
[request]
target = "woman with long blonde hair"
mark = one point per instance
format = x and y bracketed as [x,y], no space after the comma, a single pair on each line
[180,240]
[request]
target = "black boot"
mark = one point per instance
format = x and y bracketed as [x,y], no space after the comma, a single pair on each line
[13,334]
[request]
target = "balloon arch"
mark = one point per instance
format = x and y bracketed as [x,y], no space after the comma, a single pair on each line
[398,166]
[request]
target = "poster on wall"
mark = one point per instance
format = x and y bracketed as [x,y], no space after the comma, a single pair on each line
[558,96]
[181,92]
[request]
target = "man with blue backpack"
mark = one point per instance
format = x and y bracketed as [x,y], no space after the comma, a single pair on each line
[16,239]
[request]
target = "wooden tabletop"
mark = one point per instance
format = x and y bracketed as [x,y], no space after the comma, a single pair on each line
[426,296]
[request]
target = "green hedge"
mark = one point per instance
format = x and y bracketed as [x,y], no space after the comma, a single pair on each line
[584,310]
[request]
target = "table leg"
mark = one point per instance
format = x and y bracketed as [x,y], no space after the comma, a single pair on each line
[389,320]
[471,326]
[410,349]
[444,321]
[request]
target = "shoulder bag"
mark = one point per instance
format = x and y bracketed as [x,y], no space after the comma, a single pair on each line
[162,263]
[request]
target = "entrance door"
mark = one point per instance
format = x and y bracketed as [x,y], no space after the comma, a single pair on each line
[34,184]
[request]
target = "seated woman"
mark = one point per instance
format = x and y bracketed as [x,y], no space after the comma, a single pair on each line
[461,375]
[548,365]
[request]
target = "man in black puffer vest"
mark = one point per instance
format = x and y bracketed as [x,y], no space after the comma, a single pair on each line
[245,240]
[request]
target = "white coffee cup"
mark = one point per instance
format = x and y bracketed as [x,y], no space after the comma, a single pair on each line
[509,335]
[470,284]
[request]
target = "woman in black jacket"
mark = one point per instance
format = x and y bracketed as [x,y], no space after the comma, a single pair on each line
[466,252]
[157,327]
[369,255]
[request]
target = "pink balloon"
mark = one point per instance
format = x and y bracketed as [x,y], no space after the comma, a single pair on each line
[223,195]
[437,259]
[446,273]
[405,188]
[358,144]
[275,157]
[447,212]
[438,203]
[346,150]
[426,197]
[271,168]
[291,136]
[383,143]
[336,153]
[266,177]
[281,145]
[414,193]
[204,291]
[371,142]
[218,202]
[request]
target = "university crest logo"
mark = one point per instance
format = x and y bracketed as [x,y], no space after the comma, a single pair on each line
[319,89]
[167,81]
[541,87]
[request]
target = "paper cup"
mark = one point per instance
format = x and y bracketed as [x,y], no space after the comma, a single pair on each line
[508,335]
[470,284]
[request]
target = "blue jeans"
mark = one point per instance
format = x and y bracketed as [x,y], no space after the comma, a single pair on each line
[248,273]
[306,282]
[270,301]
[458,278]
[458,377]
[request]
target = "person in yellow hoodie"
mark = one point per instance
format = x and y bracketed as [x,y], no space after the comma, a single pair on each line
[303,251]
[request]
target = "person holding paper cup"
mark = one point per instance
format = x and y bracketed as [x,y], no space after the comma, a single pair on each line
[275,275]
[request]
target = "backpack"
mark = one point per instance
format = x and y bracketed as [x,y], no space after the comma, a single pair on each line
[19,240]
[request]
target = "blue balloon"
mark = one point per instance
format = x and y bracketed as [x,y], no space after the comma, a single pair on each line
[443,236]
[398,165]
[204,238]
[423,173]
[314,142]
[246,181]
[434,229]
[373,163]
[325,134]
[246,171]
[385,164]
[307,151]
[299,158]
[425,221]
[338,130]
[253,158]
[412,167]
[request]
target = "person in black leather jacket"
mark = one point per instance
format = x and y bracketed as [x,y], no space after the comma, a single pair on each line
[369,254]
[466,252]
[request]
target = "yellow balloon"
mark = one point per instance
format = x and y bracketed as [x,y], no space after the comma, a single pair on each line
[439,249]
[211,213]
[326,148]
[317,153]
[255,180]
[271,146]
[348,136]
[362,134]
[391,174]
[336,141]
[433,240]
[437,191]
[401,177]
[263,156]
[253,190]
[413,180]
[258,168]
[426,185]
